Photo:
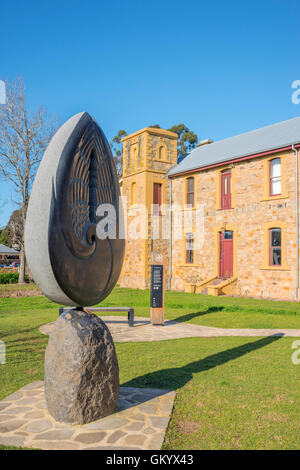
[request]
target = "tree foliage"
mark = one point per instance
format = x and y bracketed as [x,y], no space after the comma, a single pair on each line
[187,139]
[4,240]
[117,151]
[13,231]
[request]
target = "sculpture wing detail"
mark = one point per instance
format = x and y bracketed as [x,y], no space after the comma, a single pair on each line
[91,181]
[79,193]
[104,181]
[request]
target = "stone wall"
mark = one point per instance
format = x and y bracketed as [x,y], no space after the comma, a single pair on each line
[247,219]
[252,211]
[144,166]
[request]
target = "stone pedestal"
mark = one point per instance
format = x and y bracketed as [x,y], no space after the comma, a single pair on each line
[81,369]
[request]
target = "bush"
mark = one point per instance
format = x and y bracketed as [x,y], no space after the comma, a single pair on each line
[9,278]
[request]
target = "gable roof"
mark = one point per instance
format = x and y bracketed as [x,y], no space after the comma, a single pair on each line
[6,250]
[279,135]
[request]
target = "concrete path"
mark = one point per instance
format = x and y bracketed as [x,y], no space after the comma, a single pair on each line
[144,331]
[140,422]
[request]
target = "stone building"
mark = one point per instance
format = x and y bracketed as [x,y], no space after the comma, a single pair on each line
[244,190]
[148,155]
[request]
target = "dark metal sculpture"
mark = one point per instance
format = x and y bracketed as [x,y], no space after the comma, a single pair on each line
[77,174]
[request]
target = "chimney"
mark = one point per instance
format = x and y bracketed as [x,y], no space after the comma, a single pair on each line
[205,142]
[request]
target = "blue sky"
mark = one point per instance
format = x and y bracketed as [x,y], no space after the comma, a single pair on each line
[221,68]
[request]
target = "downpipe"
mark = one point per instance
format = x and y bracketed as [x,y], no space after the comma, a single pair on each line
[297,224]
[171,235]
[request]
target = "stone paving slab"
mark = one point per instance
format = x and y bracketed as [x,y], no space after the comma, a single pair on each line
[144,331]
[140,422]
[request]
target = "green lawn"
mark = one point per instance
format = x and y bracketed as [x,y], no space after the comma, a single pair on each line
[232,393]
[225,312]
[19,290]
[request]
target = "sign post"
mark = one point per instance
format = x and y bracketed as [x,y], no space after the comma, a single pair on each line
[157,301]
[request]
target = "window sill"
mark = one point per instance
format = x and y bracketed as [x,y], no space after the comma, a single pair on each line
[189,265]
[160,161]
[273,198]
[275,268]
[229,209]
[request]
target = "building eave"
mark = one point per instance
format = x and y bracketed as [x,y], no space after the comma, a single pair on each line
[234,160]
[153,131]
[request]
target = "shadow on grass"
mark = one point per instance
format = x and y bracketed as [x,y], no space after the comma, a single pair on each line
[190,316]
[177,377]
[24,339]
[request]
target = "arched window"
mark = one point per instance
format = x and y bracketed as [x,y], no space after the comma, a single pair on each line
[133,194]
[275,246]
[157,198]
[275,177]
[190,191]
[134,154]
[189,248]
[161,153]
[128,160]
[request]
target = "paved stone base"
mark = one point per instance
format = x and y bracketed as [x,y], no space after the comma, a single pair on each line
[140,422]
[144,331]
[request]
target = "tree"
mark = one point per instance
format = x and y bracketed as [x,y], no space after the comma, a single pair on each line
[187,140]
[14,229]
[24,136]
[117,151]
[4,237]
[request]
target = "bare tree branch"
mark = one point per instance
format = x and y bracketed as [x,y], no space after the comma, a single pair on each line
[24,136]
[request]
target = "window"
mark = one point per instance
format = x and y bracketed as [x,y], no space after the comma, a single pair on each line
[161,153]
[275,247]
[189,248]
[190,194]
[228,235]
[133,195]
[275,255]
[157,189]
[134,155]
[128,160]
[275,184]
[275,177]
[226,189]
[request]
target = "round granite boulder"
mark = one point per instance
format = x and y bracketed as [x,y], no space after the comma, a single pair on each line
[81,369]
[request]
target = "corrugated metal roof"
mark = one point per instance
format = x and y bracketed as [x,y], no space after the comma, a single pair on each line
[6,250]
[260,140]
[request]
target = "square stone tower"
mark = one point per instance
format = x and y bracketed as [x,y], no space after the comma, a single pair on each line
[147,157]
